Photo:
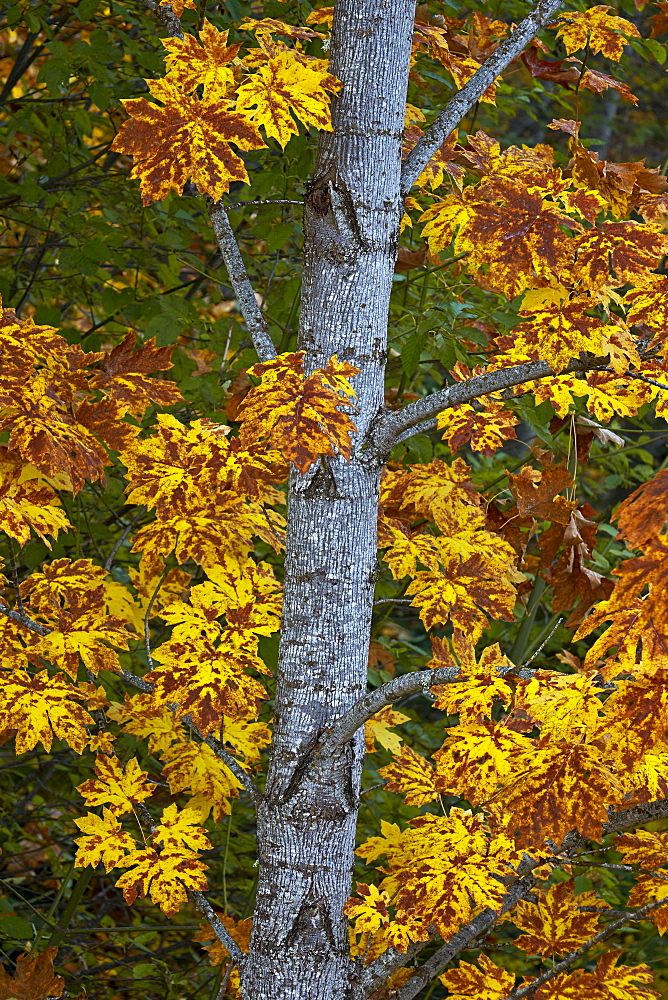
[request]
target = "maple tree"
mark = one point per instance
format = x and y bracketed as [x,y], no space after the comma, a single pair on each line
[333,613]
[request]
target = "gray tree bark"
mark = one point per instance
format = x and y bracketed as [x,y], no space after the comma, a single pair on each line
[307,818]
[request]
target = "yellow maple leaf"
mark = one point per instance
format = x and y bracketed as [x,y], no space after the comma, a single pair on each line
[368,910]
[178,6]
[556,925]
[287,86]
[180,828]
[607,980]
[480,686]
[247,739]
[39,707]
[489,982]
[596,28]
[412,775]
[485,429]
[464,593]
[208,682]
[143,716]
[219,526]
[378,726]
[443,869]
[166,876]
[103,840]
[28,503]
[190,63]
[184,138]
[475,760]
[82,632]
[443,493]
[563,705]
[115,786]
[562,329]
[297,413]
[195,768]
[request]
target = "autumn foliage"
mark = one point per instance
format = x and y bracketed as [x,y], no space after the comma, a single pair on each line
[521,553]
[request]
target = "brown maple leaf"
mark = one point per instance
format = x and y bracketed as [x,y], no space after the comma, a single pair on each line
[537,493]
[34,978]
[643,514]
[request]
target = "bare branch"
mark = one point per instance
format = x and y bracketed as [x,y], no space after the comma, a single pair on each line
[570,959]
[625,819]
[165,14]
[393,426]
[219,929]
[250,310]
[473,90]
[114,552]
[342,730]
[22,619]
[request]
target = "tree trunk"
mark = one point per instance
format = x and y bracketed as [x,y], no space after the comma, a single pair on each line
[307,819]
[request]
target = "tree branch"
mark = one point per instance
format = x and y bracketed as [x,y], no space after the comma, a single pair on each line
[393,426]
[473,90]
[145,686]
[342,730]
[647,812]
[570,959]
[236,269]
[165,14]
[219,929]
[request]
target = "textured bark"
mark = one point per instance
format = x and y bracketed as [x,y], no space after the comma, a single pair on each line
[307,818]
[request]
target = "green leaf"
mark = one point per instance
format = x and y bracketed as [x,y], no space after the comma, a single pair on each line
[410,353]
[55,74]
[448,353]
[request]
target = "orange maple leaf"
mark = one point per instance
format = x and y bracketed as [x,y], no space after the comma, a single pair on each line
[299,414]
[560,787]
[186,137]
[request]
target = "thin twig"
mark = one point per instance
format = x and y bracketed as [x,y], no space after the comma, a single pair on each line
[236,269]
[112,555]
[543,643]
[149,608]
[266,201]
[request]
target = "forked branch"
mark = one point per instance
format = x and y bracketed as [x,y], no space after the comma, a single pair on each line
[344,728]
[394,426]
[473,90]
